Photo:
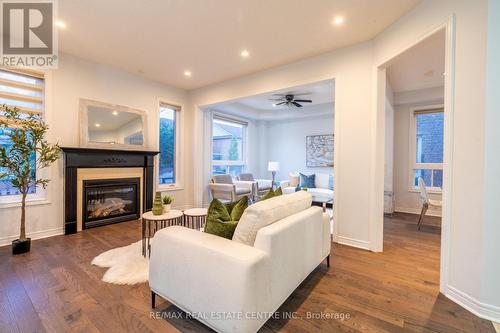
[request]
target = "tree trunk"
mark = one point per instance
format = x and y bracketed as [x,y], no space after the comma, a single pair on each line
[22,235]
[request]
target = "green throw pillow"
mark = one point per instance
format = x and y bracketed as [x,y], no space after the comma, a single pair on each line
[222,219]
[272,193]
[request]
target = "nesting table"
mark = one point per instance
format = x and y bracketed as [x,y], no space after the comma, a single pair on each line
[152,223]
[192,218]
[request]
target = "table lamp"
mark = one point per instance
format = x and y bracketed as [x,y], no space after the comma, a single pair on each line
[273,167]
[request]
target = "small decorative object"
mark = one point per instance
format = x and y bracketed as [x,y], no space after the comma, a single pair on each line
[167,202]
[319,151]
[28,152]
[157,204]
[304,188]
[273,167]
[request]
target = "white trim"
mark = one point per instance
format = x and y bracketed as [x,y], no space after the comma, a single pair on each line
[360,244]
[179,146]
[482,310]
[416,211]
[34,235]
[412,132]
[377,212]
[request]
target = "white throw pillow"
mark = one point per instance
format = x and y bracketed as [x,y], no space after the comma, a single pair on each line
[321,180]
[294,179]
[266,212]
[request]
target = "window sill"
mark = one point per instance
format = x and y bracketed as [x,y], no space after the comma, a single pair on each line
[168,188]
[29,202]
[430,191]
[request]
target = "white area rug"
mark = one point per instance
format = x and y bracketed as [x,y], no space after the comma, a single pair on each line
[126,265]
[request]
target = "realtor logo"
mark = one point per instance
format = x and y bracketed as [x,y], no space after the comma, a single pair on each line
[28,35]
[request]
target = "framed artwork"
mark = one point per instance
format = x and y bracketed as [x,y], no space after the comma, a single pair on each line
[319,151]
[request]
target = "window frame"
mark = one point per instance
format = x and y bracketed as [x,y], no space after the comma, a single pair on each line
[413,165]
[41,196]
[179,144]
[244,146]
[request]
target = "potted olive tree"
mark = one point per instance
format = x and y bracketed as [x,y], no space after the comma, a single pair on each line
[26,152]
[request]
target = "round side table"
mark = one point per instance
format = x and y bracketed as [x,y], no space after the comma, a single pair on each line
[152,223]
[195,218]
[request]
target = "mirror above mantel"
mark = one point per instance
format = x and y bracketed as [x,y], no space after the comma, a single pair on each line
[111,126]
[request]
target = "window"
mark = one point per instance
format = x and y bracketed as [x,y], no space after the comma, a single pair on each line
[167,174]
[228,146]
[427,148]
[25,90]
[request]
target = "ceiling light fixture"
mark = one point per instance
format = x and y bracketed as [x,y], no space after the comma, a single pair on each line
[245,53]
[115,113]
[97,125]
[61,24]
[338,20]
[187,73]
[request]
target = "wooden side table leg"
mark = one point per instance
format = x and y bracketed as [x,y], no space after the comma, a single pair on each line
[143,236]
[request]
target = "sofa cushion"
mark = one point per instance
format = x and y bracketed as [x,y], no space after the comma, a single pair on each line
[307,181]
[321,193]
[321,180]
[222,219]
[266,212]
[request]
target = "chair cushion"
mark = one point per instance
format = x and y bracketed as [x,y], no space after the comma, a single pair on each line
[222,219]
[266,212]
[246,177]
[307,181]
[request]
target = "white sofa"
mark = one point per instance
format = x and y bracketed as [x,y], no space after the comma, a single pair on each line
[320,192]
[235,287]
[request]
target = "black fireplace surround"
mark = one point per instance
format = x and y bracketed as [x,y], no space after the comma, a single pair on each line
[75,158]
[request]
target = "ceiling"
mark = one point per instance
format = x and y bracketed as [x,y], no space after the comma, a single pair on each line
[318,93]
[260,107]
[420,67]
[160,39]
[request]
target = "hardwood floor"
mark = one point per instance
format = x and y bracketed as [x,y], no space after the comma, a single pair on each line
[55,289]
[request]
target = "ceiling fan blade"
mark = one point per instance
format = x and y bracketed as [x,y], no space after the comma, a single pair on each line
[303,100]
[275,99]
[279,95]
[280,103]
[297,104]
[299,94]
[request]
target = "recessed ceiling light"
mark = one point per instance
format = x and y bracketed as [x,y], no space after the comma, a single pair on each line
[187,73]
[338,20]
[61,24]
[245,53]
[115,113]
[97,125]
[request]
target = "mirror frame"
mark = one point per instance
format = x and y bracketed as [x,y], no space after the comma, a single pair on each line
[84,122]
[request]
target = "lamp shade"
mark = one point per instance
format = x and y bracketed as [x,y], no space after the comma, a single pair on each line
[273,166]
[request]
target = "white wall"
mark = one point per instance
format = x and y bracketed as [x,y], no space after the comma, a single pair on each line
[359,170]
[287,143]
[408,200]
[463,260]
[76,79]
[490,275]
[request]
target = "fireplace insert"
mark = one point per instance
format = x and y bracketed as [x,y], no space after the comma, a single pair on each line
[107,201]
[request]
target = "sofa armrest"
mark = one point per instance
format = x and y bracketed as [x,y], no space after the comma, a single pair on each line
[205,274]
[284,183]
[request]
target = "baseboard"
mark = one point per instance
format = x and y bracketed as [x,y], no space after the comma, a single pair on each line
[33,235]
[486,311]
[417,211]
[352,242]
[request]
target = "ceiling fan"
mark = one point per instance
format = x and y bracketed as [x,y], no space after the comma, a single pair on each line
[290,99]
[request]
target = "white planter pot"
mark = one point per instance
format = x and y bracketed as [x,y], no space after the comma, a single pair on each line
[167,208]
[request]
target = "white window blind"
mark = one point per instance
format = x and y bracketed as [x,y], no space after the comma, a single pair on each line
[23,89]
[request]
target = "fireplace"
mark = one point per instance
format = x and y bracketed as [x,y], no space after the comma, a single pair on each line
[112,167]
[107,201]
